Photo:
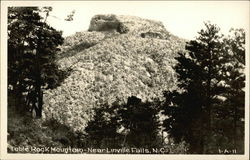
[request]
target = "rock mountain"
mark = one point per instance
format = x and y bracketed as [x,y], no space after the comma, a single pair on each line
[119,56]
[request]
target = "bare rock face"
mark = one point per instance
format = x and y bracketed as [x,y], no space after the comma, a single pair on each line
[104,23]
[152,35]
[135,60]
[128,24]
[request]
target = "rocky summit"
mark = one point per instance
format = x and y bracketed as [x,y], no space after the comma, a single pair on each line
[118,57]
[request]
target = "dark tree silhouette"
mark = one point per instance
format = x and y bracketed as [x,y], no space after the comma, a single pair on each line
[193,109]
[32,48]
[102,129]
[231,112]
[141,121]
[134,124]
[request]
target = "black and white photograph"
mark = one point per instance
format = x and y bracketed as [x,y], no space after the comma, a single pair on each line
[120,78]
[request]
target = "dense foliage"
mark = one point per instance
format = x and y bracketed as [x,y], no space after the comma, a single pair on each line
[32,46]
[25,131]
[78,42]
[135,124]
[232,111]
[207,109]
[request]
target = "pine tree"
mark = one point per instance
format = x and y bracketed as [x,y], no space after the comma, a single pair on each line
[190,109]
[134,124]
[20,22]
[232,110]
[32,48]
[102,129]
[141,121]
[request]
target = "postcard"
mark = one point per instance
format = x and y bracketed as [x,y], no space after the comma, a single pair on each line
[124,79]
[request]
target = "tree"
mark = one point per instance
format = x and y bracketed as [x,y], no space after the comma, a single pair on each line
[134,124]
[237,96]
[18,34]
[141,121]
[231,112]
[102,129]
[32,48]
[191,108]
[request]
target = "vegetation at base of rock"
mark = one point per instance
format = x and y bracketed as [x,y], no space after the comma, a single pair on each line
[25,131]
[134,124]
[103,131]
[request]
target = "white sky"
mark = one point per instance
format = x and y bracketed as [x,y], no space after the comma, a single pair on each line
[183,19]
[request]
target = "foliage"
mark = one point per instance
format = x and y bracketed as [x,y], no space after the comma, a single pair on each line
[196,111]
[24,131]
[232,111]
[142,123]
[78,42]
[134,124]
[101,130]
[32,46]
[177,148]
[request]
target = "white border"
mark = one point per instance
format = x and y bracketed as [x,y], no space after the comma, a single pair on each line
[3,98]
